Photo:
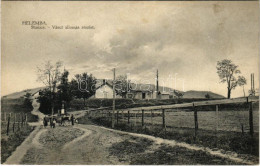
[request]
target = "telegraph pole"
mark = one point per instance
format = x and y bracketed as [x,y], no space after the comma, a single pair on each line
[113,113]
[252,84]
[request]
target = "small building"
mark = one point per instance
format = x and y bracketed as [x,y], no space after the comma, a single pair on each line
[165,96]
[148,91]
[135,91]
[104,90]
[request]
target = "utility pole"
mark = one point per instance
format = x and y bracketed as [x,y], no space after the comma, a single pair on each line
[113,113]
[252,84]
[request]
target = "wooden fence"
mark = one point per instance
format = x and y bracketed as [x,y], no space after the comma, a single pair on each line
[131,115]
[13,122]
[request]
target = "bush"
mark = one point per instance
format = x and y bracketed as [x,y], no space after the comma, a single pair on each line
[9,144]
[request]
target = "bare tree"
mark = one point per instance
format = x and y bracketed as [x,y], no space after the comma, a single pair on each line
[122,85]
[49,74]
[227,72]
[242,82]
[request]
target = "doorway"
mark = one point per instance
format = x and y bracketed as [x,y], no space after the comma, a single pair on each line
[143,95]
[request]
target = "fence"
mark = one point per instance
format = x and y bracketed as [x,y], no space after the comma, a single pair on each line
[235,115]
[13,122]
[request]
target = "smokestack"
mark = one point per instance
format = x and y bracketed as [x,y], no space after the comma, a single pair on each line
[253,81]
[157,82]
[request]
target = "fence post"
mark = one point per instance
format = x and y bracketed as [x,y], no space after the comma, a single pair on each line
[22,119]
[216,130]
[195,120]
[18,121]
[123,116]
[152,118]
[5,116]
[135,119]
[251,118]
[163,118]
[142,118]
[128,119]
[117,113]
[8,123]
[14,122]
[26,120]
[216,119]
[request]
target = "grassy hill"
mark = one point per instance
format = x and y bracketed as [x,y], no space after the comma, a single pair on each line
[201,94]
[192,94]
[20,94]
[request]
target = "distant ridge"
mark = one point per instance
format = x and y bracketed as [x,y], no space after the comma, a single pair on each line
[188,94]
[16,95]
[201,94]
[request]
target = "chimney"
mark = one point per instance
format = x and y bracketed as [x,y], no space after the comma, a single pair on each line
[157,84]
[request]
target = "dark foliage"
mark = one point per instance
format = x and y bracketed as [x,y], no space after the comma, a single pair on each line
[84,86]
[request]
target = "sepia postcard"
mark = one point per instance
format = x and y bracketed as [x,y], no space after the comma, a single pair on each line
[130,82]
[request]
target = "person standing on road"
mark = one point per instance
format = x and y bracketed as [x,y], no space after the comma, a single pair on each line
[51,122]
[72,119]
[54,123]
[45,121]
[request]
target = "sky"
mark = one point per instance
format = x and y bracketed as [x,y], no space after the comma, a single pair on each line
[183,40]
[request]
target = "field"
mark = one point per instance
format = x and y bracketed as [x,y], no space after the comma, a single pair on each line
[17,131]
[227,120]
[226,133]
[78,104]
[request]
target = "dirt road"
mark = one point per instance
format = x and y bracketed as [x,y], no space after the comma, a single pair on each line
[90,145]
[72,145]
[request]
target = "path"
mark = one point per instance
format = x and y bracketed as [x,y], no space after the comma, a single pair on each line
[36,112]
[91,145]
[30,141]
[90,148]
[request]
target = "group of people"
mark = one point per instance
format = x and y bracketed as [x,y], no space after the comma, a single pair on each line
[54,120]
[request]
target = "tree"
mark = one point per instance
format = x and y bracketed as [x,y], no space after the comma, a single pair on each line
[207,96]
[122,85]
[50,75]
[84,86]
[251,92]
[28,99]
[45,101]
[178,94]
[227,72]
[242,82]
[65,89]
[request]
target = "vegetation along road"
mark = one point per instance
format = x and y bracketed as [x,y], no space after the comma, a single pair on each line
[90,144]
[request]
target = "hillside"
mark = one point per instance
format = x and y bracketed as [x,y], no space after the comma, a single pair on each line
[201,94]
[22,93]
[188,94]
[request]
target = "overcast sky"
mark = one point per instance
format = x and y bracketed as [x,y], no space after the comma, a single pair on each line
[187,38]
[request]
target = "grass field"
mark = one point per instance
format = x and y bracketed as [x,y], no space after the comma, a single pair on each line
[14,139]
[78,104]
[136,151]
[226,140]
[227,120]
[180,126]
